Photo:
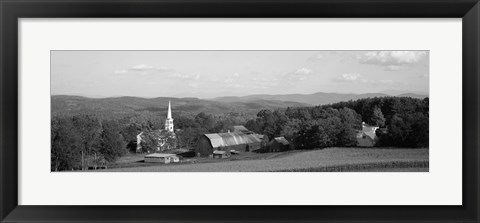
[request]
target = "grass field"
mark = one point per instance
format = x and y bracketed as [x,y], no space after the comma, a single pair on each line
[326,160]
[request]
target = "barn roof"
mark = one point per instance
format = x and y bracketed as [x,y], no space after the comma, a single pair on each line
[231,139]
[241,128]
[282,140]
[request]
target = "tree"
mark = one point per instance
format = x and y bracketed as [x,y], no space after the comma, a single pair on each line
[291,128]
[312,136]
[65,145]
[271,123]
[129,134]
[111,145]
[252,125]
[205,121]
[350,122]
[377,118]
[87,128]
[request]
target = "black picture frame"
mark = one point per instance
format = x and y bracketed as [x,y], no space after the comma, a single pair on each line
[12,10]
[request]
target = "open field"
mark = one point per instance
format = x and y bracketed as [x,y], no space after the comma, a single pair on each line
[326,160]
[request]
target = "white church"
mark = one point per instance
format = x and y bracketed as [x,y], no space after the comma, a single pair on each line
[158,140]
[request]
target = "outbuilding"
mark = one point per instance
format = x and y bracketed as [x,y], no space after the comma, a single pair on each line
[162,158]
[218,154]
[279,144]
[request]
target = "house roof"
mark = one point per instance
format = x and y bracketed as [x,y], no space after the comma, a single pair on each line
[368,132]
[368,126]
[361,134]
[231,139]
[159,155]
[282,140]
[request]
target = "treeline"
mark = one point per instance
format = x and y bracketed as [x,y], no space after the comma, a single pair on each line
[404,123]
[78,140]
[405,119]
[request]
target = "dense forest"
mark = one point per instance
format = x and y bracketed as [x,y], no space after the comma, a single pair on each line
[79,137]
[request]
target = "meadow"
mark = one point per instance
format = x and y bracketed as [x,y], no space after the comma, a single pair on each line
[324,160]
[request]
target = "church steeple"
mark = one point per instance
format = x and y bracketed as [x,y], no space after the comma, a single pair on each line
[169,120]
[169,115]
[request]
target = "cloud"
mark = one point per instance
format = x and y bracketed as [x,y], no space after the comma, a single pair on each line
[122,71]
[316,57]
[143,68]
[352,77]
[300,74]
[394,67]
[357,79]
[230,78]
[392,60]
[180,76]
[193,85]
[425,75]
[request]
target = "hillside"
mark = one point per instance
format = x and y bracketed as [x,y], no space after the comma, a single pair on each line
[62,104]
[319,98]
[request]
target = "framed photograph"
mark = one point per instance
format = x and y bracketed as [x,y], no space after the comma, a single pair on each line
[164,111]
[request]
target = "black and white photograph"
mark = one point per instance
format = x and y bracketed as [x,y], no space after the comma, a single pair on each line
[239,111]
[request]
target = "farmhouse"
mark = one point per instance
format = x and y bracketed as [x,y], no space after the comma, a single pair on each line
[161,158]
[227,141]
[367,137]
[278,144]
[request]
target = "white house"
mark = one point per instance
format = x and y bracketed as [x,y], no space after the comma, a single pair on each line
[367,137]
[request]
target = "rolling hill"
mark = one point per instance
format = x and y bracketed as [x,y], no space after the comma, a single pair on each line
[65,104]
[76,104]
[319,98]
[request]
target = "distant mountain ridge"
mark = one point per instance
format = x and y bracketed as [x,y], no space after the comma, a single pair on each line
[64,104]
[318,98]
[78,104]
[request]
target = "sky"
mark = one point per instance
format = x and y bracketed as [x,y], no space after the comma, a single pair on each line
[210,74]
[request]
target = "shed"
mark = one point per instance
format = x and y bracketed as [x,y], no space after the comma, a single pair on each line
[227,141]
[162,158]
[279,144]
[218,154]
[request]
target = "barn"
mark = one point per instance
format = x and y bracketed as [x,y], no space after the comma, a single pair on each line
[227,141]
[161,158]
[279,144]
